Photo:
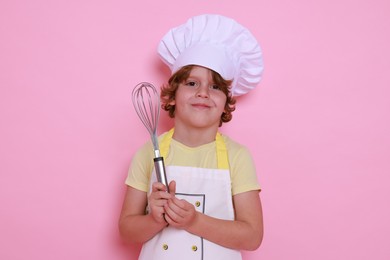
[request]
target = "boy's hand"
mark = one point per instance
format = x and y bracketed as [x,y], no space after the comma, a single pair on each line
[179,213]
[157,199]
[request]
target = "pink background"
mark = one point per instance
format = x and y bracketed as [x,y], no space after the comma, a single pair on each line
[318,125]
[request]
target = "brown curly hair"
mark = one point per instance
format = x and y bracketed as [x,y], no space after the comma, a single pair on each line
[168,92]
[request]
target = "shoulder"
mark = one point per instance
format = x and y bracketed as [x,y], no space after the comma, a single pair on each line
[144,153]
[146,149]
[234,148]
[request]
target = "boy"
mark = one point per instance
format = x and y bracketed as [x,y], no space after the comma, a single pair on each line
[213,209]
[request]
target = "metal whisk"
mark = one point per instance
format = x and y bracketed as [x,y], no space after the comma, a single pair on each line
[146,102]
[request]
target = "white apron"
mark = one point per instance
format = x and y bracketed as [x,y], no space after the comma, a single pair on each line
[209,190]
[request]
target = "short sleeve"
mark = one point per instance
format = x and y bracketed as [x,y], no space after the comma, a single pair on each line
[243,170]
[141,168]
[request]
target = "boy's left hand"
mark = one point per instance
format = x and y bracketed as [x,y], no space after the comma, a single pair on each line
[179,213]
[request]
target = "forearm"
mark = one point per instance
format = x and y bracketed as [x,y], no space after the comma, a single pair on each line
[139,228]
[232,234]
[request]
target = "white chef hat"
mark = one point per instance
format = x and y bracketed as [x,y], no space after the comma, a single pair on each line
[218,43]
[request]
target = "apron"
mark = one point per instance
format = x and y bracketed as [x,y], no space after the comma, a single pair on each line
[209,190]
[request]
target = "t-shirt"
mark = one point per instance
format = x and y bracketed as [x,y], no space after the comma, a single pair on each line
[242,169]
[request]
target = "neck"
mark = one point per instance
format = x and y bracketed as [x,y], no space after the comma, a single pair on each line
[194,137]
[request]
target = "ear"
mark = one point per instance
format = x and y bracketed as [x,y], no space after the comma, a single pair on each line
[172,103]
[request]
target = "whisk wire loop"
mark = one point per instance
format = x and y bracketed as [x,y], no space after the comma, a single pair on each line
[146,103]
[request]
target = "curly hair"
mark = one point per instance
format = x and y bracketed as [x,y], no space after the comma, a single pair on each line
[168,92]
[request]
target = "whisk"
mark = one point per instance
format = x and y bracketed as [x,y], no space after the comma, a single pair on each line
[146,102]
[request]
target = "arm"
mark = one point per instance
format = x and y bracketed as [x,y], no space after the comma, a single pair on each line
[134,224]
[244,233]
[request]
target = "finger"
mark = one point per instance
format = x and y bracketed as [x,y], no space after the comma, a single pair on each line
[180,203]
[172,187]
[174,210]
[159,215]
[159,202]
[159,196]
[158,186]
[169,220]
[171,217]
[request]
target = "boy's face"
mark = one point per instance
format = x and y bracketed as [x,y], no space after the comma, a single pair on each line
[198,101]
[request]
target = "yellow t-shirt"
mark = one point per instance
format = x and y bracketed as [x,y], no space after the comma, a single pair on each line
[242,169]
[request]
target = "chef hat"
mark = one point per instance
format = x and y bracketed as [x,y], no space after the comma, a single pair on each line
[218,43]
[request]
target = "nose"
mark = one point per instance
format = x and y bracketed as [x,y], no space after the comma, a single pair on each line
[203,91]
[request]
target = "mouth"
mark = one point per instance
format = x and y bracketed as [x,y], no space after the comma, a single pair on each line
[201,105]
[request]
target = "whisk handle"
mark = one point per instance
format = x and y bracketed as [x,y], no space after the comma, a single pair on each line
[160,171]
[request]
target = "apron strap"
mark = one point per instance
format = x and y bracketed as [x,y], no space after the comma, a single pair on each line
[222,155]
[165,142]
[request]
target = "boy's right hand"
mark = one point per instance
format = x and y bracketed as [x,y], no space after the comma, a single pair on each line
[157,199]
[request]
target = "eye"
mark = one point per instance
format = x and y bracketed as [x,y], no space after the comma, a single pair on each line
[191,83]
[215,87]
